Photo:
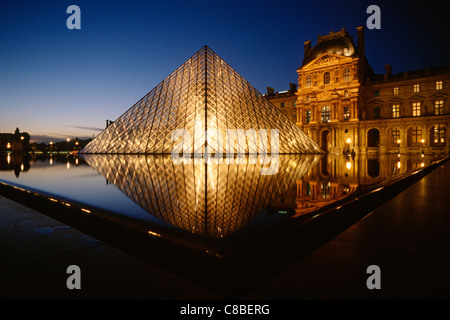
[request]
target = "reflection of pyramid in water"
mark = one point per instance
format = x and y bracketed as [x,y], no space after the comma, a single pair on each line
[204,88]
[213,200]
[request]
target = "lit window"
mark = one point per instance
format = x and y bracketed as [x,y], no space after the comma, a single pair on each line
[416,134]
[395,110]
[376,93]
[282,104]
[346,74]
[326,78]
[416,87]
[395,135]
[439,107]
[325,114]
[376,112]
[438,134]
[308,116]
[346,113]
[438,85]
[345,93]
[308,82]
[395,90]
[416,109]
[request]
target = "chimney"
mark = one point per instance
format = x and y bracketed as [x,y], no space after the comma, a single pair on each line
[270,91]
[360,40]
[388,72]
[292,87]
[307,45]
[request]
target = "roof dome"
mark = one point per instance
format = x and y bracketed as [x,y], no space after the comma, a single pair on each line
[342,46]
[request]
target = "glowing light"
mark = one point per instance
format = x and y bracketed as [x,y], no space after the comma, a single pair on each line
[22,167]
[423,140]
[349,141]
[8,145]
[348,165]
[86,210]
[22,138]
[398,141]
[154,234]
[398,164]
[422,164]
[68,165]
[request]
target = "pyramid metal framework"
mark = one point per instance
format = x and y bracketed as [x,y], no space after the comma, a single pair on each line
[204,92]
[230,198]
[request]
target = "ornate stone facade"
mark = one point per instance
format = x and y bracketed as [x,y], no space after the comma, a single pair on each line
[343,105]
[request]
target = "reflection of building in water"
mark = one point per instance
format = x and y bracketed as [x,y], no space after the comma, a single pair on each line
[336,177]
[213,200]
[342,104]
[17,162]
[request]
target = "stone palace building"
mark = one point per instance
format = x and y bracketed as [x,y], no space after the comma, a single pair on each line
[343,105]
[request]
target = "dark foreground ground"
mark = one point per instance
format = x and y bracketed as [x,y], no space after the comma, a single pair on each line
[408,238]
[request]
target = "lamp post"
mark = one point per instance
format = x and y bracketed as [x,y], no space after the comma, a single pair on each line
[348,141]
[423,141]
[68,139]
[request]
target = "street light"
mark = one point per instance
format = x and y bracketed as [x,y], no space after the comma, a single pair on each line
[398,142]
[423,141]
[68,139]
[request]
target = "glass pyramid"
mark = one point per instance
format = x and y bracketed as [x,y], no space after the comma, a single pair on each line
[204,95]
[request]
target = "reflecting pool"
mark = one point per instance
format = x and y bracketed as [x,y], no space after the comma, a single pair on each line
[224,210]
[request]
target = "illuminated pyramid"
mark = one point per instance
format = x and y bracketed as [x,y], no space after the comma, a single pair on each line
[203,95]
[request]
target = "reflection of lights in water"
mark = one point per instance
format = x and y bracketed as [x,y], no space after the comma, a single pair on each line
[51,161]
[8,158]
[422,164]
[76,161]
[398,164]
[22,167]
[348,165]
[68,165]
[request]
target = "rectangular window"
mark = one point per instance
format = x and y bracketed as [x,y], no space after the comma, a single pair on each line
[395,90]
[294,103]
[416,109]
[438,134]
[282,104]
[346,113]
[395,110]
[308,81]
[438,85]
[376,93]
[395,135]
[439,107]
[308,116]
[376,112]
[416,134]
[325,114]
[416,87]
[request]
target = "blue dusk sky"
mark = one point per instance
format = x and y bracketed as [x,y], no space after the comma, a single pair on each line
[57,83]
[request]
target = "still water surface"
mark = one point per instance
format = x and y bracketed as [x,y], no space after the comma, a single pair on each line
[214,201]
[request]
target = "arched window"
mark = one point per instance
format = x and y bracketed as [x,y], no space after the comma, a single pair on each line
[346,74]
[308,82]
[325,114]
[326,78]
